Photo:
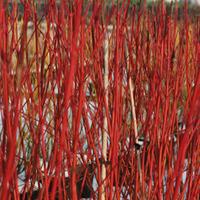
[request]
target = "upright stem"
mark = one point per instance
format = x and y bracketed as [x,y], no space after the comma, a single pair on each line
[133,108]
[131,93]
[105,125]
[134,115]
[135,126]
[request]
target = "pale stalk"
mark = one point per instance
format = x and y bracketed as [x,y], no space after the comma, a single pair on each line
[134,114]
[105,125]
